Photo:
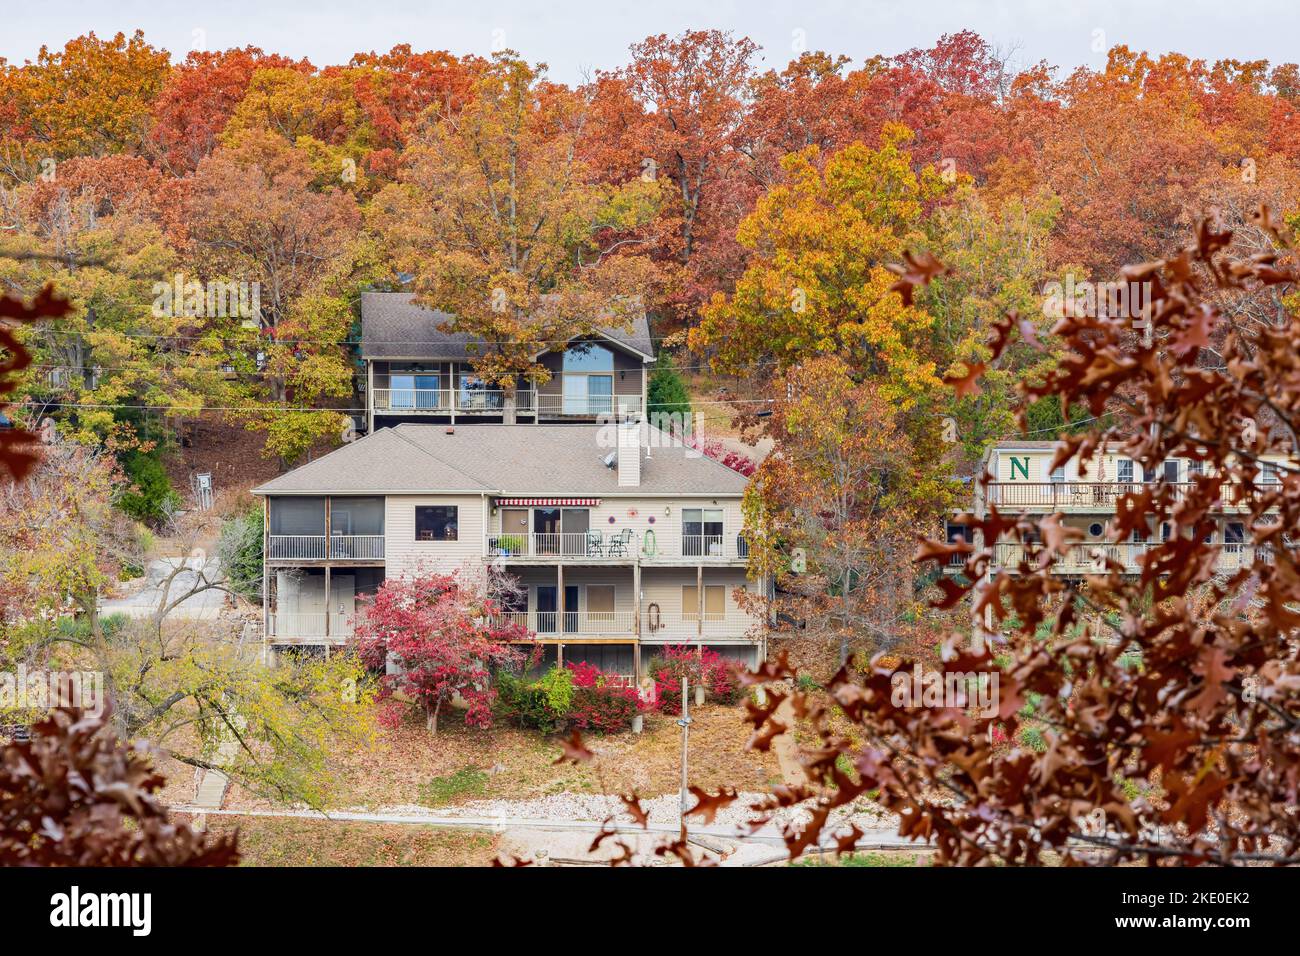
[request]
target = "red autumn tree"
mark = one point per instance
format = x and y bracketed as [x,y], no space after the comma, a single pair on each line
[439,635]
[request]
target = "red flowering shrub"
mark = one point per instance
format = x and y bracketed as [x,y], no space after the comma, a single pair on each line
[601,702]
[707,667]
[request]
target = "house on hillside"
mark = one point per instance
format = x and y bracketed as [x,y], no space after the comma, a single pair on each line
[1024,483]
[417,373]
[622,538]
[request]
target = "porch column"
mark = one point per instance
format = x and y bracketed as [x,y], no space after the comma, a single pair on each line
[370,397]
[454,392]
[699,614]
[636,622]
[327,607]
[559,596]
[266,582]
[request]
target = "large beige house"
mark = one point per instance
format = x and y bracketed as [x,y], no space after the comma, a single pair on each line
[622,538]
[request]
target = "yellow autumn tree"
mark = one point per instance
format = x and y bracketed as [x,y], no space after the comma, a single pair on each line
[817,281]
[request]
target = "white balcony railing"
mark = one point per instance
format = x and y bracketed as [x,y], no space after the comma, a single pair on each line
[624,544]
[1128,555]
[588,406]
[357,547]
[584,544]
[1087,495]
[444,401]
[300,627]
[338,547]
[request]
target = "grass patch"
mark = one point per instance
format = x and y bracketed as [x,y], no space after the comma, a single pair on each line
[283,841]
[465,782]
[858,859]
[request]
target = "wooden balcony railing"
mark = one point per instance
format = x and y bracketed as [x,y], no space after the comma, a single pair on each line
[1129,555]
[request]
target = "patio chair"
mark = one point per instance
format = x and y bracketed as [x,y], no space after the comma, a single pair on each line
[618,545]
[595,544]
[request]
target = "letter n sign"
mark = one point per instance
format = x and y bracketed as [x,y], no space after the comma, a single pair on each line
[1020,465]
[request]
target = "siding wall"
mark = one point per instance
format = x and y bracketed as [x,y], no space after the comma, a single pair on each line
[403,554]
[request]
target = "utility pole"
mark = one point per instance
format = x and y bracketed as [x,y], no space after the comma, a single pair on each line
[684,722]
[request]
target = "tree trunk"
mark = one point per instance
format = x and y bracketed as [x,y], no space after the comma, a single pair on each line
[431,718]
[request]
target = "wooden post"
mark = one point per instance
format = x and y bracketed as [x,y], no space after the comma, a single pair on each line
[636,621]
[559,594]
[455,392]
[266,583]
[370,396]
[327,607]
[699,616]
[559,654]
[685,722]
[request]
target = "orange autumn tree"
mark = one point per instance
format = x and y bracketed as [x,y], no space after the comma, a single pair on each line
[503,227]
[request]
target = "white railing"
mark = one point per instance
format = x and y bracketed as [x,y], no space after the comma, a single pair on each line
[296,546]
[704,545]
[1093,558]
[439,401]
[357,547]
[295,626]
[572,622]
[583,544]
[316,547]
[587,406]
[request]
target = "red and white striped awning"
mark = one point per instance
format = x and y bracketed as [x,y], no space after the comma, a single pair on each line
[550,502]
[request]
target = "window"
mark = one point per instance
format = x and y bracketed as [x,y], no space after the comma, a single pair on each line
[1058,474]
[474,393]
[701,531]
[600,603]
[356,516]
[715,602]
[413,390]
[587,385]
[1095,529]
[1195,467]
[1269,473]
[436,522]
[1234,533]
[298,516]
[1125,473]
[1171,471]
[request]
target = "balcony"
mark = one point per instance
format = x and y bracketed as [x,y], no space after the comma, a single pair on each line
[589,406]
[573,623]
[621,547]
[288,627]
[1087,496]
[448,401]
[1093,558]
[338,547]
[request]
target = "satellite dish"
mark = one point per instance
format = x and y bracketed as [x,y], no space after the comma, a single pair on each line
[611,459]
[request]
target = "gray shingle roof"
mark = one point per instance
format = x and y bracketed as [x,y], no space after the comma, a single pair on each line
[504,459]
[393,326]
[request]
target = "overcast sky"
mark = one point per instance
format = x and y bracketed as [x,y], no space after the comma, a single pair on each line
[585,34]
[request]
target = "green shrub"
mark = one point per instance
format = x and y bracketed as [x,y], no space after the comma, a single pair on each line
[666,392]
[150,497]
[240,549]
[540,705]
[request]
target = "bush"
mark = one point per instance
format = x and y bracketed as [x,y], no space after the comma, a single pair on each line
[240,549]
[666,392]
[540,705]
[600,703]
[150,497]
[579,695]
[715,672]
